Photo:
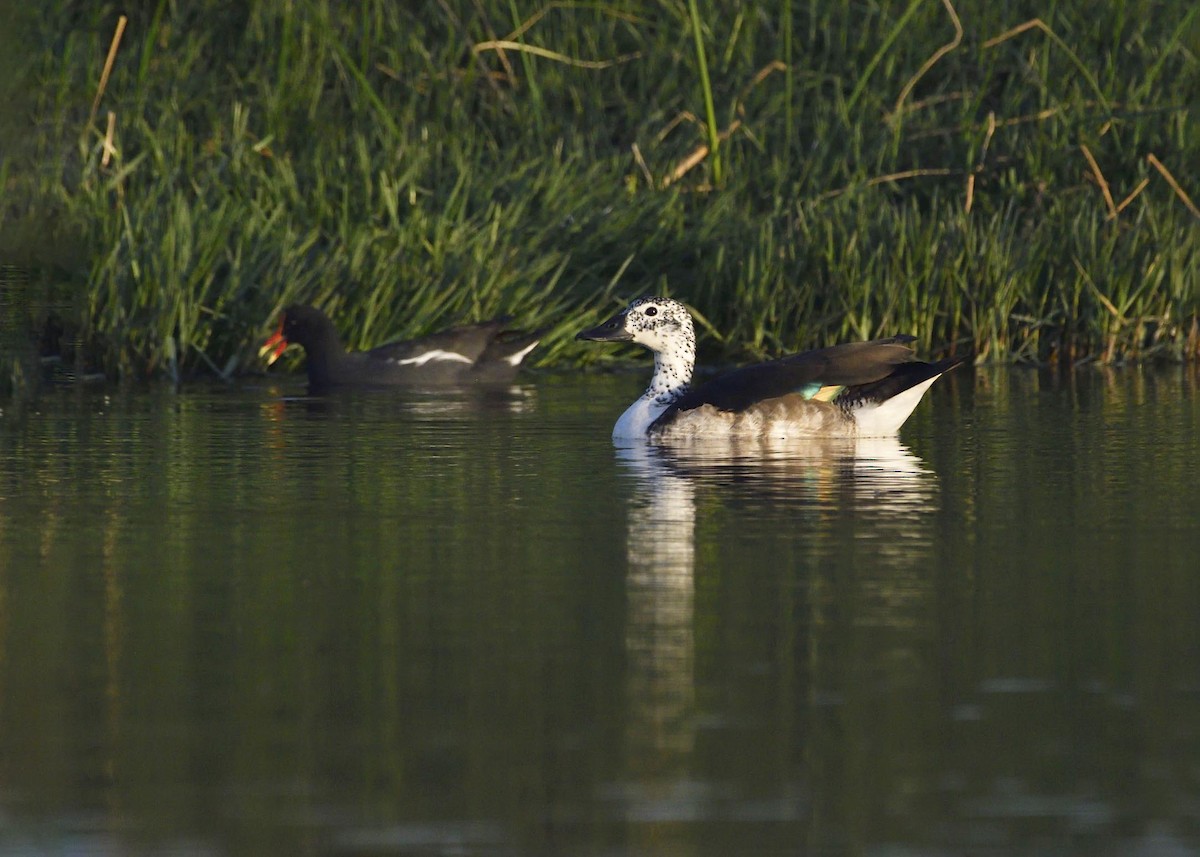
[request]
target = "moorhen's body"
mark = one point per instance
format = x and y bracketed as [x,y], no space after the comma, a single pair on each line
[485,352]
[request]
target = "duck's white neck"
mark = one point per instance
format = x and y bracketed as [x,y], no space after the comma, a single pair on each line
[672,375]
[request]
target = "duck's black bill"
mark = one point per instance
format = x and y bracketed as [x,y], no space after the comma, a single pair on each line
[612,330]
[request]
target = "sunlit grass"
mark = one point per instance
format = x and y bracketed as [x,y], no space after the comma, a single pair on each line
[1019,190]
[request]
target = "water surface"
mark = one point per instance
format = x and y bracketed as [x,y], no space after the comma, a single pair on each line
[240,621]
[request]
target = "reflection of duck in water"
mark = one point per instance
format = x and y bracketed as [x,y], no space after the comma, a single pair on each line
[859,389]
[818,476]
[874,474]
[659,632]
[881,474]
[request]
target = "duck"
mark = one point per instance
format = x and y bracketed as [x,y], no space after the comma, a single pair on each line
[485,352]
[852,390]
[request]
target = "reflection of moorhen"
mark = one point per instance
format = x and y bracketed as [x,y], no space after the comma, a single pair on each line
[485,352]
[858,389]
[50,341]
[62,353]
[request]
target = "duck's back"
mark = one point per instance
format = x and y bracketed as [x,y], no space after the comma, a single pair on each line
[860,389]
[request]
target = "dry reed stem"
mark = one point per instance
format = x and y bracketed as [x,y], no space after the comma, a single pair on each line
[1040,116]
[1166,174]
[701,152]
[486,72]
[761,75]
[641,162]
[1105,302]
[933,101]
[1111,347]
[698,155]
[1038,23]
[688,116]
[983,153]
[685,116]
[1100,180]
[684,166]
[933,60]
[503,57]
[890,177]
[501,45]
[528,23]
[1016,31]
[108,64]
[1137,190]
[109,150]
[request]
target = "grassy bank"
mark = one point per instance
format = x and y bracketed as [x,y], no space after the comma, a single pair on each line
[1011,180]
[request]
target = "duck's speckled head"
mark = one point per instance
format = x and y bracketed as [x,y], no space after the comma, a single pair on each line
[665,327]
[660,324]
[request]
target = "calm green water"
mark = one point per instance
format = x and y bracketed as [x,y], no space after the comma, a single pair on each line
[233,622]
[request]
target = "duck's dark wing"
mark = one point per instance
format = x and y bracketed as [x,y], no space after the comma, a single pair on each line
[903,377]
[846,365]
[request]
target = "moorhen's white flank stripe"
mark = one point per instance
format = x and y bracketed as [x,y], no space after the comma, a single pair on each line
[436,354]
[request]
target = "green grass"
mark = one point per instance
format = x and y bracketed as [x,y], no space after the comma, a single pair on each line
[400,166]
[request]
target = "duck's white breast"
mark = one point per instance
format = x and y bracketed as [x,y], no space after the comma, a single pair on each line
[636,420]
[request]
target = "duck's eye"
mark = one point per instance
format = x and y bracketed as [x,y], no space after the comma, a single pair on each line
[651,310]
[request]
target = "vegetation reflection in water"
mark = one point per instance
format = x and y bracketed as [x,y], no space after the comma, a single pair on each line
[432,623]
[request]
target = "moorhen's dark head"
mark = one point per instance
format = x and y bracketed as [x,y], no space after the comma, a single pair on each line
[301,325]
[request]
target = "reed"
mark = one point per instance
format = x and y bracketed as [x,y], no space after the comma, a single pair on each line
[1016,189]
[712,133]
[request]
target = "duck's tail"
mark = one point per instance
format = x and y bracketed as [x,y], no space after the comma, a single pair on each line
[881,407]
